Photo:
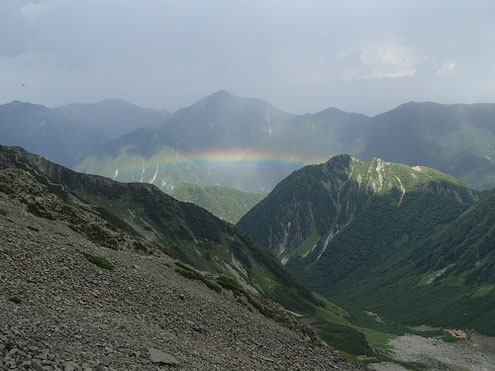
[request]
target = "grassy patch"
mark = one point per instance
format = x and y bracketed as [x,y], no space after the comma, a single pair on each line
[257,301]
[229,284]
[451,339]
[39,210]
[193,274]
[351,358]
[378,339]
[7,190]
[139,246]
[99,261]
[14,299]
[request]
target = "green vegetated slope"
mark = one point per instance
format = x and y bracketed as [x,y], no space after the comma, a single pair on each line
[381,236]
[226,203]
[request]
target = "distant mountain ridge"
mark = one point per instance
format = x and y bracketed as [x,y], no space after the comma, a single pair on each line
[224,121]
[68,134]
[455,139]
[256,145]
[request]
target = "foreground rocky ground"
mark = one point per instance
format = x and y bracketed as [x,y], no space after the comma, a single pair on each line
[59,311]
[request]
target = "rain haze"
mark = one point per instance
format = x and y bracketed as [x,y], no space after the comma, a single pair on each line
[301,56]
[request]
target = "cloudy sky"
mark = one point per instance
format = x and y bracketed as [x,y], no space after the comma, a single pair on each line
[302,56]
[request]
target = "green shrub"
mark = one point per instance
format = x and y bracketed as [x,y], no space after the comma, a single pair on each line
[39,211]
[15,299]
[229,284]
[193,274]
[99,261]
[6,189]
[183,266]
[139,246]
[450,339]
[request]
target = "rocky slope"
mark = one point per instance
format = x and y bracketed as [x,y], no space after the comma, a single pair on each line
[68,302]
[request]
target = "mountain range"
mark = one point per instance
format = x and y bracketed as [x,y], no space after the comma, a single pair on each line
[409,243]
[247,143]
[70,133]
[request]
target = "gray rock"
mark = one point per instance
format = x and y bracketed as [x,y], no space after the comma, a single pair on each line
[105,361]
[69,366]
[162,358]
[36,366]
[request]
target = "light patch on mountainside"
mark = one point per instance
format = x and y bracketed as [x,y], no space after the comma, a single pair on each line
[431,277]
[154,175]
[402,189]
[329,239]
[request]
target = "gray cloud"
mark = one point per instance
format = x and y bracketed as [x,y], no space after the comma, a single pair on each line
[364,56]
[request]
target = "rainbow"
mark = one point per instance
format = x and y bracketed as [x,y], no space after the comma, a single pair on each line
[131,166]
[250,157]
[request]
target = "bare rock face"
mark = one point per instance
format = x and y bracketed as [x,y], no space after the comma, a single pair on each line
[162,358]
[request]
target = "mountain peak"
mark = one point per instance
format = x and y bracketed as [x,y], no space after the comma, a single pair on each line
[221,92]
[219,96]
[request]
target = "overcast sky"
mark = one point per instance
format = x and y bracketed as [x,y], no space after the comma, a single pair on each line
[301,56]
